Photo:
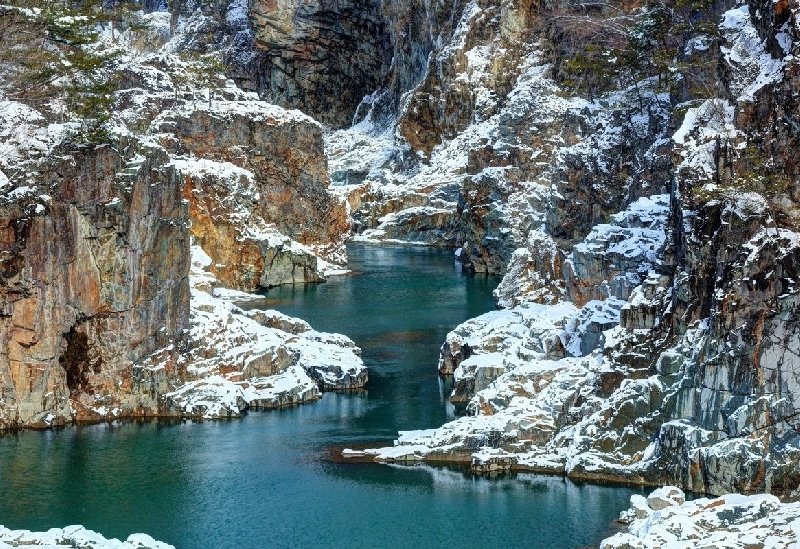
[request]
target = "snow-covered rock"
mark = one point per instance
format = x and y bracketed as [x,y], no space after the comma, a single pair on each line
[731,521]
[96,273]
[255,359]
[75,536]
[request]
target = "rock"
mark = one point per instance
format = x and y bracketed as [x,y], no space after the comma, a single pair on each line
[640,507]
[94,278]
[241,360]
[492,462]
[475,374]
[279,321]
[311,48]
[254,173]
[534,273]
[76,536]
[665,497]
[664,227]
[92,284]
[614,258]
[730,521]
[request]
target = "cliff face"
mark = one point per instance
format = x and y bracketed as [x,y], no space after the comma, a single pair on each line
[322,56]
[643,213]
[94,280]
[647,235]
[255,178]
[98,318]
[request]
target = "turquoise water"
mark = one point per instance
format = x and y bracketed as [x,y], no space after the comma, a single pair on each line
[264,481]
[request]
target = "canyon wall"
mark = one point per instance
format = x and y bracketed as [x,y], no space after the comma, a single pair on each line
[95,279]
[102,317]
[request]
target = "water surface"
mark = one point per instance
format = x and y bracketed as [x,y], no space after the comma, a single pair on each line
[263,481]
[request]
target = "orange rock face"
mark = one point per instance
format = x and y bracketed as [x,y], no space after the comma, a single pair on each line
[256,177]
[91,286]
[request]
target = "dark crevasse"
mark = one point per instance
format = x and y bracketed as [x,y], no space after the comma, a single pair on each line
[264,481]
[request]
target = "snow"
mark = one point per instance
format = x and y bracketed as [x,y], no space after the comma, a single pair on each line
[703,127]
[200,167]
[75,536]
[258,111]
[25,134]
[731,521]
[240,359]
[751,65]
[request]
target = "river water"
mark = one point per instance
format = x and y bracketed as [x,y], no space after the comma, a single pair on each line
[264,481]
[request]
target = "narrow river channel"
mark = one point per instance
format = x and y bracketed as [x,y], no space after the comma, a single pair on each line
[264,481]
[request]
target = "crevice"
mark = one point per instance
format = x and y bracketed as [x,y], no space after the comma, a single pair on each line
[76,360]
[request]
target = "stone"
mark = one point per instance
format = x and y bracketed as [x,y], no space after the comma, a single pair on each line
[732,520]
[665,497]
[256,182]
[96,282]
[311,48]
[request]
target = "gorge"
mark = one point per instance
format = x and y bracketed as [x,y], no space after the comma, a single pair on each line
[629,170]
[267,480]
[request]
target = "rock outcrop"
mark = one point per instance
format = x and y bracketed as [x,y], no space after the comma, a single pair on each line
[490,136]
[256,182]
[323,56]
[95,279]
[238,360]
[99,321]
[664,518]
[76,536]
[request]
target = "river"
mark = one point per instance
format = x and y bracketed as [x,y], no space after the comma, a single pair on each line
[265,480]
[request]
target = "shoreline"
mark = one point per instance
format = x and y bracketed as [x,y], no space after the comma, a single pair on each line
[178,417]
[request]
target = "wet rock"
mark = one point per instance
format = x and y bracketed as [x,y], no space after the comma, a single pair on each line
[492,462]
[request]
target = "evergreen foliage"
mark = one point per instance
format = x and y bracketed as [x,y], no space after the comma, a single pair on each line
[614,46]
[50,50]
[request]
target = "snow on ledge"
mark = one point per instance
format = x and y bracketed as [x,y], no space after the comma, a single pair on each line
[753,67]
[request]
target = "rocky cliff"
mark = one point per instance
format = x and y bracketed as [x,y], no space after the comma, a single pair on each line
[632,171]
[101,317]
[95,267]
[646,231]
